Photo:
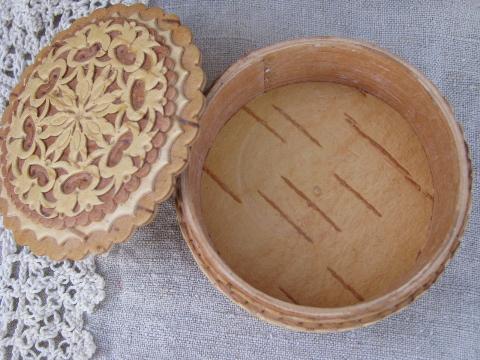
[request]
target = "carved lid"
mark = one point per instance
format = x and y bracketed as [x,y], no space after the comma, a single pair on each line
[97,129]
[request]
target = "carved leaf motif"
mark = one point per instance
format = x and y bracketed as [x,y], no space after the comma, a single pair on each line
[87,199]
[77,42]
[78,145]
[58,147]
[34,197]
[30,190]
[144,41]
[65,99]
[67,204]
[140,145]
[22,182]
[104,80]
[95,129]
[54,130]
[119,172]
[15,150]
[155,75]
[45,69]
[16,129]
[128,32]
[84,85]
[98,34]
[58,119]
[105,104]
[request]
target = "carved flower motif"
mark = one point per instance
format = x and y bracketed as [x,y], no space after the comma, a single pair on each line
[154,86]
[81,115]
[78,187]
[92,41]
[86,125]
[129,49]
[30,188]
[20,144]
[49,76]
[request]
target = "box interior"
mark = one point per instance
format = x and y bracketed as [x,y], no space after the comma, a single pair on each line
[334,182]
[318,194]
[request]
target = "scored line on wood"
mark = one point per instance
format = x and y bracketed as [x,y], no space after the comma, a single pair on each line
[359,196]
[418,187]
[285,216]
[345,284]
[78,233]
[143,208]
[222,185]
[311,204]
[290,297]
[390,158]
[375,144]
[263,123]
[297,125]
[188,122]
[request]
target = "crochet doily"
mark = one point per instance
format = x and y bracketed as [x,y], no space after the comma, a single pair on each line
[42,302]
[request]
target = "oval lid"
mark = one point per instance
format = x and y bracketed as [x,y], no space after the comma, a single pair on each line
[97,130]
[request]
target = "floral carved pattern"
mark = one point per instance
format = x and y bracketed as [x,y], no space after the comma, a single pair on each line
[89,122]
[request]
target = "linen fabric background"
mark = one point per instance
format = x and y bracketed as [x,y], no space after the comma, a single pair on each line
[159,305]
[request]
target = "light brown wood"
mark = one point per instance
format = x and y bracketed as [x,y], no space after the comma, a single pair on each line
[97,129]
[329,185]
[328,197]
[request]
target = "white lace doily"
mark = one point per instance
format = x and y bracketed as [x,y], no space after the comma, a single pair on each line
[42,302]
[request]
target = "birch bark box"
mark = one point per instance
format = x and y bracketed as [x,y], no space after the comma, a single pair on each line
[327,187]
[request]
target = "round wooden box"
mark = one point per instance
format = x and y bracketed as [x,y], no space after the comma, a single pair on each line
[328,187]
